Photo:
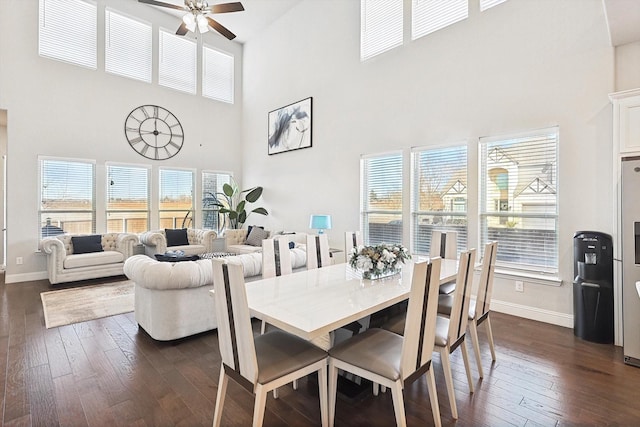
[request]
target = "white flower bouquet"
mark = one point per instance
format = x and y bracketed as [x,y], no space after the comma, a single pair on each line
[378,261]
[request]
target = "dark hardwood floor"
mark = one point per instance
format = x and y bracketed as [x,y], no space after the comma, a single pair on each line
[108,372]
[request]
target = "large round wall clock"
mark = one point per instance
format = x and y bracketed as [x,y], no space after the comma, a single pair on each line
[153,132]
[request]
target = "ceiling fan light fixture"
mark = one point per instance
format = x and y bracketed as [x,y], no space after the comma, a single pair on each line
[203,25]
[189,21]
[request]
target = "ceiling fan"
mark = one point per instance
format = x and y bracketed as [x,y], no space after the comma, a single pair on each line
[196,19]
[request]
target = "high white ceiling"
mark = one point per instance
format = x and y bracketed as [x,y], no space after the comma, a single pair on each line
[257,15]
[623,19]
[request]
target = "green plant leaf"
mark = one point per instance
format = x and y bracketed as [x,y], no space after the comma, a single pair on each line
[261,211]
[254,195]
[242,217]
[240,206]
[224,210]
[228,190]
[233,215]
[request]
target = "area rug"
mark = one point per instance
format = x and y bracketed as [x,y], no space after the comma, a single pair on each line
[68,306]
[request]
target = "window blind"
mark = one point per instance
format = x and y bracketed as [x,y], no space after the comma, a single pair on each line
[67,31]
[381,26]
[177,62]
[518,201]
[176,198]
[487,4]
[212,183]
[217,75]
[127,198]
[381,198]
[128,47]
[67,202]
[439,194]
[432,15]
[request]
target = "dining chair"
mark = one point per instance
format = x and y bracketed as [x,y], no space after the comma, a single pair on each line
[445,245]
[352,239]
[318,251]
[276,261]
[263,363]
[390,359]
[480,307]
[451,331]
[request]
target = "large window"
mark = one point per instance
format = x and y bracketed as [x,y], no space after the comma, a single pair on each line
[381,198]
[68,31]
[487,4]
[439,194]
[432,15]
[67,197]
[519,200]
[381,26]
[212,183]
[127,198]
[128,47]
[177,62]
[217,75]
[176,198]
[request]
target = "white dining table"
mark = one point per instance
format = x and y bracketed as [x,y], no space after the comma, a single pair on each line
[313,303]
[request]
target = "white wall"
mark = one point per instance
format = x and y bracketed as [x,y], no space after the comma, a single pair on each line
[57,109]
[628,66]
[520,66]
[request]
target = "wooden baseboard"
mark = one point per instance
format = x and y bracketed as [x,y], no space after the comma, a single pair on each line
[533,313]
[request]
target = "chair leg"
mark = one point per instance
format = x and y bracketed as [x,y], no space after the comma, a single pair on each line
[259,406]
[398,403]
[324,396]
[376,388]
[222,391]
[467,367]
[295,384]
[333,390]
[473,330]
[448,379]
[263,328]
[433,397]
[490,337]
[275,393]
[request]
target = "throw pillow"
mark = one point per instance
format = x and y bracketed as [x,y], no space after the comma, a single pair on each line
[292,245]
[250,227]
[256,236]
[176,237]
[87,244]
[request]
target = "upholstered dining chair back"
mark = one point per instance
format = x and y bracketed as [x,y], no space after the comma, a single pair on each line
[318,251]
[276,258]
[419,330]
[235,335]
[462,297]
[352,239]
[485,286]
[444,244]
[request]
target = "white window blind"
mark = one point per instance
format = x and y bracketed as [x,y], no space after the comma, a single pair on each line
[67,202]
[518,201]
[212,183]
[176,198]
[217,75]
[381,198]
[487,4]
[67,31]
[128,47]
[439,196]
[127,199]
[432,15]
[177,62]
[381,26]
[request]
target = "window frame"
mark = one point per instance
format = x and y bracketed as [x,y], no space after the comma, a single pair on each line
[211,211]
[173,81]
[108,211]
[369,48]
[484,211]
[147,76]
[189,212]
[217,76]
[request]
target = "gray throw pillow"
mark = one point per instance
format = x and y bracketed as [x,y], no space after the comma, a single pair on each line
[256,236]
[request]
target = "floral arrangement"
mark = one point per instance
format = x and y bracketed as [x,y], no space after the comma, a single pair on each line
[377,261]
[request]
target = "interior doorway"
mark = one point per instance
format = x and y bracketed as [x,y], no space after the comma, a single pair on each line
[3,187]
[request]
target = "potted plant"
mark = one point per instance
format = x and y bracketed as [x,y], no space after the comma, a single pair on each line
[232,204]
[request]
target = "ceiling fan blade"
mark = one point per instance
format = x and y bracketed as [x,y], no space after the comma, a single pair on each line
[182,30]
[227,7]
[161,4]
[221,28]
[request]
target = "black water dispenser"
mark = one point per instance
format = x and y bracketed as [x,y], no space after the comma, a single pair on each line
[593,286]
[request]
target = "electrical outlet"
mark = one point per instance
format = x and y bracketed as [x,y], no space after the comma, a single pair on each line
[19,260]
[519,286]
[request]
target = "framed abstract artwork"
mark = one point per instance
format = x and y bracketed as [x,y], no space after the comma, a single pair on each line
[290,127]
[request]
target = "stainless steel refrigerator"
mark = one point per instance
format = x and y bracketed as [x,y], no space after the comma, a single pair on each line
[630,187]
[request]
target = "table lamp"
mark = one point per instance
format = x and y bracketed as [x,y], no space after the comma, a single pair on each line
[320,223]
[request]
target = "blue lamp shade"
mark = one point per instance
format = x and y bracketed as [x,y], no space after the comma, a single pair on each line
[320,223]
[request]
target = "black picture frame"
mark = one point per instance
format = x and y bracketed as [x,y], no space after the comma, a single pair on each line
[289,127]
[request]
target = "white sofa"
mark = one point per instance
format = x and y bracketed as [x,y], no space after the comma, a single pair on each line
[200,241]
[235,241]
[63,265]
[172,299]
